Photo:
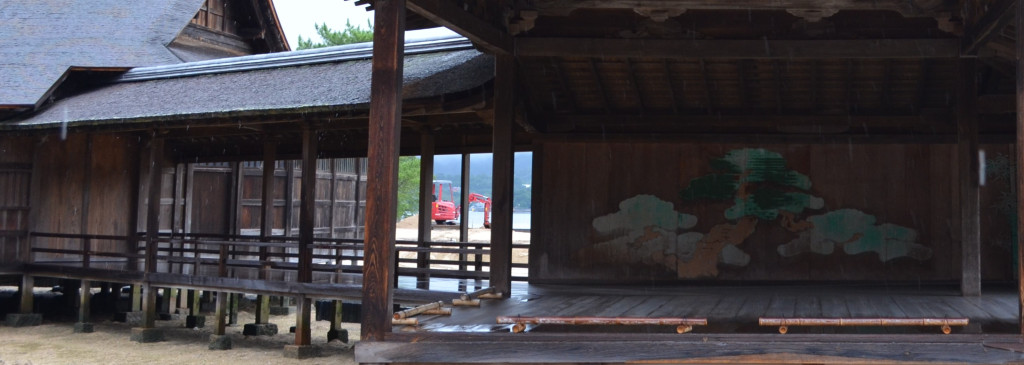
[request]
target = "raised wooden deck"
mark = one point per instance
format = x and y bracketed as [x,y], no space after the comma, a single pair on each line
[732,335]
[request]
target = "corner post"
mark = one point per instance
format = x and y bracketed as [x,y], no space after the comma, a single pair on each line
[382,174]
[501,225]
[148,331]
[1020,161]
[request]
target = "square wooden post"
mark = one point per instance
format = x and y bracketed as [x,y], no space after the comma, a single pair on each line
[1020,161]
[382,172]
[307,211]
[426,204]
[148,331]
[266,224]
[501,212]
[967,147]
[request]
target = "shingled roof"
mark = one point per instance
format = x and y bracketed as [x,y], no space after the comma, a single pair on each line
[41,40]
[335,78]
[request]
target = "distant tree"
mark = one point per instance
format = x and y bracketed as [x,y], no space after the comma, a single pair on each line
[330,37]
[408,186]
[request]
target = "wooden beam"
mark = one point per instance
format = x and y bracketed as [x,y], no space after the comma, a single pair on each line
[382,175]
[447,14]
[155,179]
[933,122]
[307,204]
[1020,162]
[266,222]
[501,208]
[967,147]
[635,84]
[426,202]
[998,15]
[672,86]
[904,7]
[737,49]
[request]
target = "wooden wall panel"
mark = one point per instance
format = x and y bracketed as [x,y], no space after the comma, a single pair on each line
[57,201]
[112,170]
[875,212]
[15,186]
[210,200]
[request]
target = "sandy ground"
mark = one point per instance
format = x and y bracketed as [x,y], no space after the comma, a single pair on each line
[407,231]
[54,343]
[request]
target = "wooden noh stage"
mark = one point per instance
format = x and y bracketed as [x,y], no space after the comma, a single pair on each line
[713,182]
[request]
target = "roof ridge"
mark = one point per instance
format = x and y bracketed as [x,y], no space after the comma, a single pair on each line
[347,52]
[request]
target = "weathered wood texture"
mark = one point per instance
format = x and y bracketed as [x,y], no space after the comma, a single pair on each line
[892,186]
[501,209]
[15,187]
[1019,160]
[382,175]
[968,171]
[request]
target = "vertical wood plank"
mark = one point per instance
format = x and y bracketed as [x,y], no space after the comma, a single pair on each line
[219,313]
[382,175]
[86,187]
[501,212]
[967,137]
[1020,163]
[426,203]
[190,184]
[302,321]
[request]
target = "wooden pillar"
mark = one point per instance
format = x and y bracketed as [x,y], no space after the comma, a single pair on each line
[307,211]
[85,302]
[155,178]
[332,194]
[1020,161]
[177,218]
[27,286]
[135,198]
[426,204]
[220,313]
[967,147]
[464,211]
[501,224]
[382,175]
[266,224]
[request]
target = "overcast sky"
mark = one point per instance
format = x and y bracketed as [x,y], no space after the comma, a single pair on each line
[299,17]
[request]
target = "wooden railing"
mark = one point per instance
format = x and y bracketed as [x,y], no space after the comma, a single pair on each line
[196,254]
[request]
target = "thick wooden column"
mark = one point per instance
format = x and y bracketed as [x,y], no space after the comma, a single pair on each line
[426,203]
[220,313]
[501,212]
[1020,161]
[266,224]
[382,175]
[967,147]
[155,178]
[307,212]
[27,299]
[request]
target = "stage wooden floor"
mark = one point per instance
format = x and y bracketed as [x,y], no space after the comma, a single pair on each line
[732,336]
[736,309]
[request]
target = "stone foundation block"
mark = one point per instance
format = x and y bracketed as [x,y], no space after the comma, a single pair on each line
[301,352]
[147,335]
[340,335]
[135,318]
[280,311]
[259,329]
[23,319]
[82,327]
[195,321]
[218,342]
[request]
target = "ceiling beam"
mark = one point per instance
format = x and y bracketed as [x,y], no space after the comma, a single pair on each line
[737,49]
[998,16]
[904,7]
[446,14]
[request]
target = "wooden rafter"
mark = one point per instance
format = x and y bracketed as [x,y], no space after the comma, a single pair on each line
[737,49]
[999,15]
[707,87]
[446,14]
[910,8]
[777,70]
[633,81]
[600,85]
[671,86]
[556,66]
